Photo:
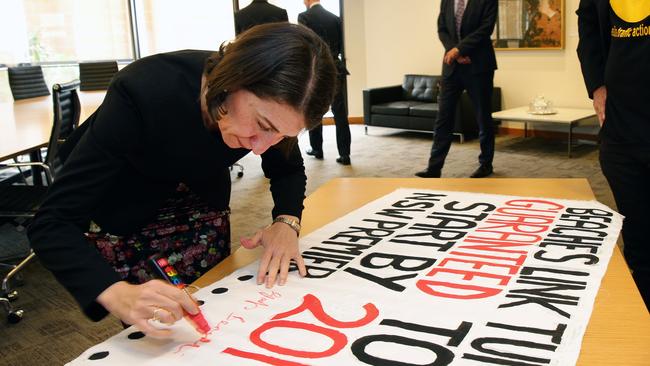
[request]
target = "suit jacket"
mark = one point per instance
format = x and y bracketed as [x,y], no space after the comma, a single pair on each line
[593,45]
[329,29]
[475,30]
[258,12]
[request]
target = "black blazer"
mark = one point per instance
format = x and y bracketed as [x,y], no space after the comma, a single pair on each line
[329,29]
[258,12]
[146,137]
[593,45]
[474,41]
[326,25]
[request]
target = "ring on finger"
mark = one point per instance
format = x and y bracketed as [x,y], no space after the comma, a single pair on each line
[154,316]
[192,288]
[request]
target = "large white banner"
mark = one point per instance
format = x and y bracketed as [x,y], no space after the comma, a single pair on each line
[417,277]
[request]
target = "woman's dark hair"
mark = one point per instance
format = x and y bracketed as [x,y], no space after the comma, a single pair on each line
[284,62]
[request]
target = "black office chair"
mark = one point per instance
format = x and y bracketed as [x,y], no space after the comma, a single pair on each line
[21,201]
[15,249]
[96,75]
[27,82]
[67,111]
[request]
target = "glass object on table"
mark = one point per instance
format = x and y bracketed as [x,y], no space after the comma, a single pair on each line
[541,105]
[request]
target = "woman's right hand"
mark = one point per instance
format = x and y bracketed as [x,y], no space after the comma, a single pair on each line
[137,304]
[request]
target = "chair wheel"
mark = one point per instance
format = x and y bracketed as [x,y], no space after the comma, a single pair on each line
[15,316]
[240,174]
[12,296]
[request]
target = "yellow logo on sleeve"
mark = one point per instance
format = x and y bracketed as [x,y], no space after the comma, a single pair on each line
[631,11]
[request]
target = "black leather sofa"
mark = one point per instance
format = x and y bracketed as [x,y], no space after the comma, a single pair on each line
[414,106]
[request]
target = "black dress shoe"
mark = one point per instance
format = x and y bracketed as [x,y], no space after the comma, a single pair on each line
[482,171]
[318,154]
[429,174]
[344,160]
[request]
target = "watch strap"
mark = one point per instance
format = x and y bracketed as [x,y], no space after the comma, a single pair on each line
[294,224]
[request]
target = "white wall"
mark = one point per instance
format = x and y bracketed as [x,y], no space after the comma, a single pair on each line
[556,74]
[355,53]
[399,37]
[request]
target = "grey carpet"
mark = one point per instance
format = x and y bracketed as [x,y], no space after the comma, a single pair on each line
[54,331]
[13,242]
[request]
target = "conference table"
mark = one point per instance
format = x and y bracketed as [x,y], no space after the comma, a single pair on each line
[25,125]
[619,330]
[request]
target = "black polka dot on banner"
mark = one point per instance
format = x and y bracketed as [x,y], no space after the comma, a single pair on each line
[136,335]
[245,277]
[98,355]
[219,290]
[200,302]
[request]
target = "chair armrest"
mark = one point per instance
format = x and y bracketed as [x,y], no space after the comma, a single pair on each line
[379,95]
[384,94]
[46,168]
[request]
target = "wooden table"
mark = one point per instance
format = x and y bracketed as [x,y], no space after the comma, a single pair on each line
[569,117]
[25,125]
[619,330]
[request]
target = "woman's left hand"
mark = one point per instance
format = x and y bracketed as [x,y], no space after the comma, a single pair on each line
[280,244]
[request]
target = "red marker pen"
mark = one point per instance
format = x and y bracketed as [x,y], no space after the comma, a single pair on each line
[166,271]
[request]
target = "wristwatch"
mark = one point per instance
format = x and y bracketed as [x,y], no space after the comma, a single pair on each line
[294,224]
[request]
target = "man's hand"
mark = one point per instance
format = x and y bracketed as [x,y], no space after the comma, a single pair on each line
[600,97]
[464,60]
[451,56]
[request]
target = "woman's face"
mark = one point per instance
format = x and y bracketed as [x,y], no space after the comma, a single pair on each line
[257,124]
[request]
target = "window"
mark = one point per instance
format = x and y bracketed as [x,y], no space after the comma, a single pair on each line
[44,31]
[58,34]
[167,25]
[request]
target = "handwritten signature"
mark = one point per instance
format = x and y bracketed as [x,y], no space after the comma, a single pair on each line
[262,301]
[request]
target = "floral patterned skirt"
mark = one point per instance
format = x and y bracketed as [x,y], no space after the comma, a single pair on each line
[191,235]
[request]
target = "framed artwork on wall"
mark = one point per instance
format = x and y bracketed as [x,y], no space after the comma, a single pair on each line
[529,24]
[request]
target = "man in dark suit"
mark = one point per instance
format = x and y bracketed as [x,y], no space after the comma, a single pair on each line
[464,27]
[258,12]
[328,27]
[614,53]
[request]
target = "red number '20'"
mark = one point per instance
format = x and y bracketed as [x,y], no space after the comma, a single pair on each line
[312,304]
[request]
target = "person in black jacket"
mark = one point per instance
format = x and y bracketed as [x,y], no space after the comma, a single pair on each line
[614,53]
[256,13]
[150,174]
[328,27]
[464,27]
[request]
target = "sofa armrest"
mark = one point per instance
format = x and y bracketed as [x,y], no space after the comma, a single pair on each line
[379,95]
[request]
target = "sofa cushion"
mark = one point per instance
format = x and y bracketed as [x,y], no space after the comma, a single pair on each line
[400,108]
[387,120]
[423,88]
[421,123]
[424,110]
